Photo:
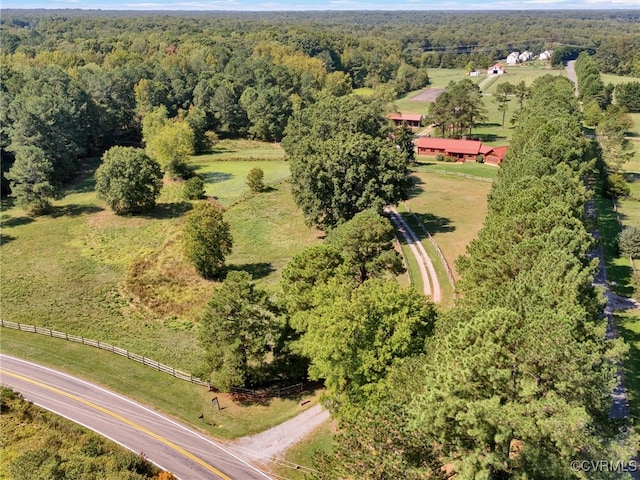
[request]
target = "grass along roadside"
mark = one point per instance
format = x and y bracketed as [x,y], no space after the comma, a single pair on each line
[318,441]
[628,327]
[178,398]
[446,288]
[452,208]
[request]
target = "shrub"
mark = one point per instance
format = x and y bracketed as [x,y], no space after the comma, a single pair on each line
[193,189]
[255,179]
[440,157]
[616,186]
[450,159]
[480,159]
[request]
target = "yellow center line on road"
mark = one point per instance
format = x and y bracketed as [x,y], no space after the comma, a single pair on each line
[122,419]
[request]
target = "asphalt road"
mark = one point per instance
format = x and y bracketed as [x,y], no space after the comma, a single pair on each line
[170,445]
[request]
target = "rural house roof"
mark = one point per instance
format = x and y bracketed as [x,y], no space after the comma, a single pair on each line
[450,145]
[409,117]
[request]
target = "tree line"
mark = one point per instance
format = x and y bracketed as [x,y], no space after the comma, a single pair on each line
[76,83]
[515,381]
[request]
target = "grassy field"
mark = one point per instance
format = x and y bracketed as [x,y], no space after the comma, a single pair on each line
[616,79]
[320,440]
[452,208]
[268,229]
[178,398]
[426,164]
[225,169]
[124,279]
[527,72]
[628,327]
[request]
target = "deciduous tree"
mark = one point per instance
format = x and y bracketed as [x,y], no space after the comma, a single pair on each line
[365,244]
[341,160]
[128,180]
[355,335]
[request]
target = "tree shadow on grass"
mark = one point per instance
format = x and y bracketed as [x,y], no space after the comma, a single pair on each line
[416,187]
[73,210]
[256,270]
[632,177]
[8,221]
[435,224]
[4,239]
[164,211]
[631,367]
[216,177]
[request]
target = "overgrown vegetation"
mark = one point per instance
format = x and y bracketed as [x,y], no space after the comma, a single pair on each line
[52,447]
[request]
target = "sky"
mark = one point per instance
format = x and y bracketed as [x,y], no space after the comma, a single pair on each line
[298,5]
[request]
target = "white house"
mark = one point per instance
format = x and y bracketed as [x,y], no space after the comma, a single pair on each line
[496,69]
[546,55]
[475,73]
[512,59]
[525,56]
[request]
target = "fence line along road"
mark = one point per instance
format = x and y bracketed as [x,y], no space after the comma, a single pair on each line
[108,347]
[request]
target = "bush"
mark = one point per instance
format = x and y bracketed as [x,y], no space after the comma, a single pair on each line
[629,242]
[193,189]
[255,179]
[635,284]
[480,159]
[128,180]
[616,186]
[450,159]
[440,157]
[207,239]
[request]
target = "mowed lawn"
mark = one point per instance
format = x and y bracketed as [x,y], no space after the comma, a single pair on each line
[225,169]
[452,208]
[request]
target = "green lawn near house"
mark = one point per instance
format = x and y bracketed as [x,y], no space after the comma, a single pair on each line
[527,72]
[429,164]
[452,208]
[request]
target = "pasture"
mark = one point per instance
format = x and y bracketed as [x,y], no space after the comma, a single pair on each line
[123,279]
[452,208]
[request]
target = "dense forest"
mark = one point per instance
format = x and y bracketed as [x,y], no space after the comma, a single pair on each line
[74,83]
[514,381]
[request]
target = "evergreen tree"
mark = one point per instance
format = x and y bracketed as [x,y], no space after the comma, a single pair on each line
[31,181]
